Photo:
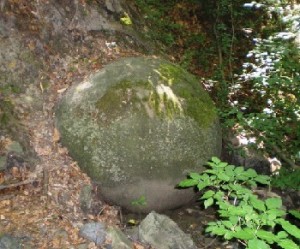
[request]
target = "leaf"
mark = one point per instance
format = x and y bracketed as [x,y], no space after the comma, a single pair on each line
[257,204]
[126,20]
[195,176]
[229,170]
[132,222]
[55,136]
[219,195]
[234,219]
[228,235]
[222,165]
[287,244]
[222,176]
[211,164]
[295,213]
[211,225]
[251,217]
[215,160]
[262,179]
[282,235]
[276,212]
[211,171]
[227,224]
[188,183]
[252,183]
[202,185]
[242,177]
[208,194]
[257,243]
[251,173]
[208,202]
[238,170]
[240,211]
[244,234]
[290,228]
[140,201]
[216,229]
[239,189]
[224,213]
[274,203]
[266,236]
[204,177]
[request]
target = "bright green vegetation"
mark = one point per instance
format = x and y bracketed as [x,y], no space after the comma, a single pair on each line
[287,179]
[242,215]
[246,53]
[161,27]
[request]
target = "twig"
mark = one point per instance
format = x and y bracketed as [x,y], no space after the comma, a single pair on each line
[6,197]
[16,184]
[219,48]
[232,43]
[209,244]
[283,156]
[45,181]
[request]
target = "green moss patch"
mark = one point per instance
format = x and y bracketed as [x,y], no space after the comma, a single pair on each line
[197,103]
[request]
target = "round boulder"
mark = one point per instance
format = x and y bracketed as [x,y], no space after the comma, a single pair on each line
[137,128]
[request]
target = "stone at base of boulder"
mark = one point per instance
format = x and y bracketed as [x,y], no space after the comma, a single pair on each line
[94,231]
[163,233]
[101,235]
[118,239]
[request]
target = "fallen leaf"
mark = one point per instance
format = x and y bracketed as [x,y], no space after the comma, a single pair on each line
[56,136]
[62,90]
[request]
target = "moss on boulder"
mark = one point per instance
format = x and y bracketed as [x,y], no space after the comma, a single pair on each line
[137,127]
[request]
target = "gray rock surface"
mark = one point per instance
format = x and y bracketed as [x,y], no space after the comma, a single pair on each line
[9,242]
[95,232]
[163,233]
[137,127]
[118,239]
[86,198]
[98,233]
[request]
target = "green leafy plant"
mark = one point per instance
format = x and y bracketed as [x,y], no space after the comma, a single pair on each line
[242,215]
[140,201]
[264,98]
[295,213]
[287,179]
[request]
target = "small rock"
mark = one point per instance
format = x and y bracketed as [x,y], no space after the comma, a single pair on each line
[163,233]
[118,239]
[9,242]
[86,198]
[113,6]
[95,232]
[16,147]
[61,236]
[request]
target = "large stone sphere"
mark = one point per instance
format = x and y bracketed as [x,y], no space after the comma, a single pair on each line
[137,128]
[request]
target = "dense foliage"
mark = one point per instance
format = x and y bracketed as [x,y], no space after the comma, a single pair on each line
[248,57]
[243,216]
